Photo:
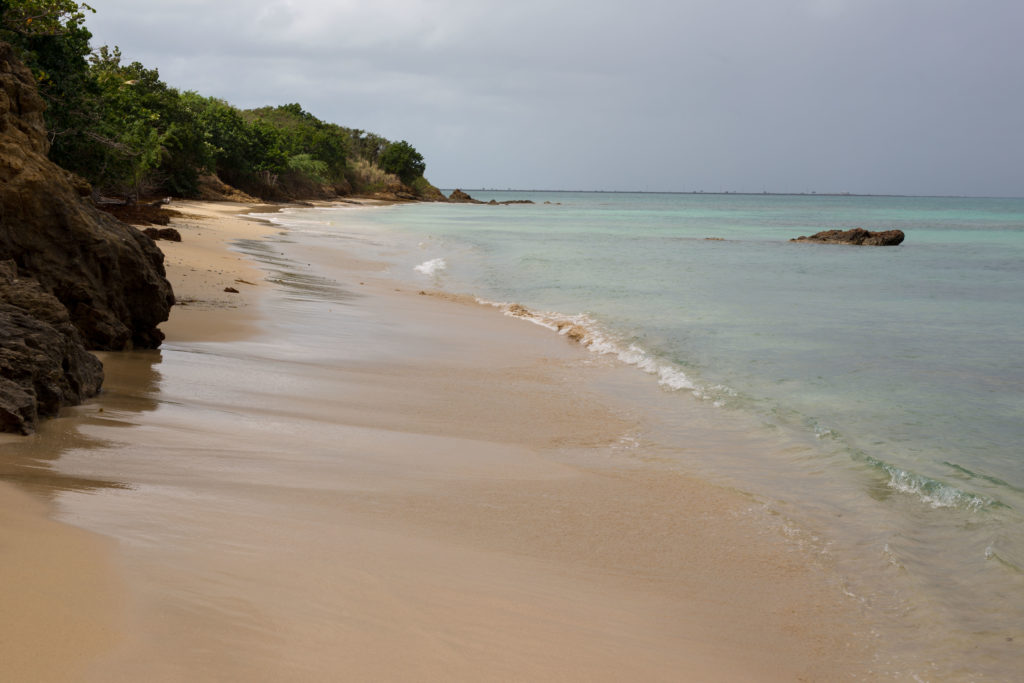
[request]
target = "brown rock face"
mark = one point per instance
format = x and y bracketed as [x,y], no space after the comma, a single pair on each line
[461,197]
[108,275]
[43,364]
[857,236]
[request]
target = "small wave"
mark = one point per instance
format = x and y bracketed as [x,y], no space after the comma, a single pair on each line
[930,491]
[432,267]
[586,331]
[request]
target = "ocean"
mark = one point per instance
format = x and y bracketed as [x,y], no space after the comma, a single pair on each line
[887,382]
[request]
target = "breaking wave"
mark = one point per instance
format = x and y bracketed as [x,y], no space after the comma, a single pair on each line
[930,491]
[586,331]
[432,267]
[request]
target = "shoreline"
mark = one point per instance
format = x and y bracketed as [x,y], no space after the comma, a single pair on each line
[474,462]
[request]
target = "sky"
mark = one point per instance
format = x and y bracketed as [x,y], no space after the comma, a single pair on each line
[863,96]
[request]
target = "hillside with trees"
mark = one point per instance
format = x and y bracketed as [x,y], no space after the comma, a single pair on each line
[130,134]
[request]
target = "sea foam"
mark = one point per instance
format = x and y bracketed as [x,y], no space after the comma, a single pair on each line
[586,331]
[432,267]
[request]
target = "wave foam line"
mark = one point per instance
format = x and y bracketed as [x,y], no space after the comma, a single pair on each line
[584,330]
[432,267]
[931,491]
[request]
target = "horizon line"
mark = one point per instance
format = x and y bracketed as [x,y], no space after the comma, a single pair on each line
[741,193]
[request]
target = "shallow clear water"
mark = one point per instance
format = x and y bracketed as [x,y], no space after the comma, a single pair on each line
[899,369]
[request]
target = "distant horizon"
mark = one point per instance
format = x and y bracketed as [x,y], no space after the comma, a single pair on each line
[874,99]
[732,192]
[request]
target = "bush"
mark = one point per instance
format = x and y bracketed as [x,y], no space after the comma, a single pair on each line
[403,160]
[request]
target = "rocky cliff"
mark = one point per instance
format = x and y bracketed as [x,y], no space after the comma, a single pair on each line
[43,364]
[108,276]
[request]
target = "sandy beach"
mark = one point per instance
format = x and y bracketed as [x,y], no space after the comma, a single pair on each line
[329,476]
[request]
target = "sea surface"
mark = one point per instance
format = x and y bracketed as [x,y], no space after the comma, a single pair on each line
[888,380]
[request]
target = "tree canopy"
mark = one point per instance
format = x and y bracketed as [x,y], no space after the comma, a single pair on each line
[403,160]
[128,132]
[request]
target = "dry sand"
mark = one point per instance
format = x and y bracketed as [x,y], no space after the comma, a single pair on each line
[386,486]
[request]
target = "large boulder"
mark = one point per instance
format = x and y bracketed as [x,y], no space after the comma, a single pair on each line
[108,275]
[857,236]
[43,364]
[460,197]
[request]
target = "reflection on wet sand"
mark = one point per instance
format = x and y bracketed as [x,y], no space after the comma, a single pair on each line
[405,488]
[131,387]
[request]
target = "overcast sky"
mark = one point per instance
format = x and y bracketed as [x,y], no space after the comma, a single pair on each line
[864,96]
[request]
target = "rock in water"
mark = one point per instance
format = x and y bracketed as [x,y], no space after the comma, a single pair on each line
[108,275]
[858,236]
[461,197]
[43,364]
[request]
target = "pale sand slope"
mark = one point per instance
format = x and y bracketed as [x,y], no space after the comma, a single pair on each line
[398,487]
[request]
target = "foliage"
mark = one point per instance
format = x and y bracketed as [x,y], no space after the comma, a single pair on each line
[403,160]
[41,17]
[51,39]
[304,134]
[128,132]
[146,139]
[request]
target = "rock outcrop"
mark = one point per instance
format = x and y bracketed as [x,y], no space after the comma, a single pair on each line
[108,275]
[460,197]
[857,236]
[43,364]
[72,277]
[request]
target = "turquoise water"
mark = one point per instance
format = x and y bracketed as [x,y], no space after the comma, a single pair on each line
[899,369]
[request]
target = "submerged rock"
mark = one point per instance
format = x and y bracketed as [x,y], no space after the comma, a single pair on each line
[857,236]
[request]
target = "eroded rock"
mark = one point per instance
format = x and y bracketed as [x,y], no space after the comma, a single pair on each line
[43,363]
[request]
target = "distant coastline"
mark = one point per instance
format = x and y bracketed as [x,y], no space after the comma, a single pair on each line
[732,193]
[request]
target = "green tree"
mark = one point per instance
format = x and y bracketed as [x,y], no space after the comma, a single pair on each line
[152,140]
[51,39]
[403,160]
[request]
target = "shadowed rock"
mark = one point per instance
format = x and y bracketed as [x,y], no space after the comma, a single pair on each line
[43,364]
[169,234]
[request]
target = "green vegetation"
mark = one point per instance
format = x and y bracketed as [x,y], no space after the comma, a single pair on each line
[403,160]
[128,133]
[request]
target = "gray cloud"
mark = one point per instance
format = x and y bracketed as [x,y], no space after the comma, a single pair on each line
[902,96]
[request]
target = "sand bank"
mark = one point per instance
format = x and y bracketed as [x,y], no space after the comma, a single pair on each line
[348,482]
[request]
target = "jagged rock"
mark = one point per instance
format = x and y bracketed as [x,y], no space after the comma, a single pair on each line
[461,197]
[429,193]
[857,236]
[169,234]
[108,275]
[43,364]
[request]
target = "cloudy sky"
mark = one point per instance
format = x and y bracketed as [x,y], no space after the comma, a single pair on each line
[864,96]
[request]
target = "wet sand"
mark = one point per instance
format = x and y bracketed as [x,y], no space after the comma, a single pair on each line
[323,478]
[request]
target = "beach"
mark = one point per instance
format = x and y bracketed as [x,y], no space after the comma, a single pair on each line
[331,475]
